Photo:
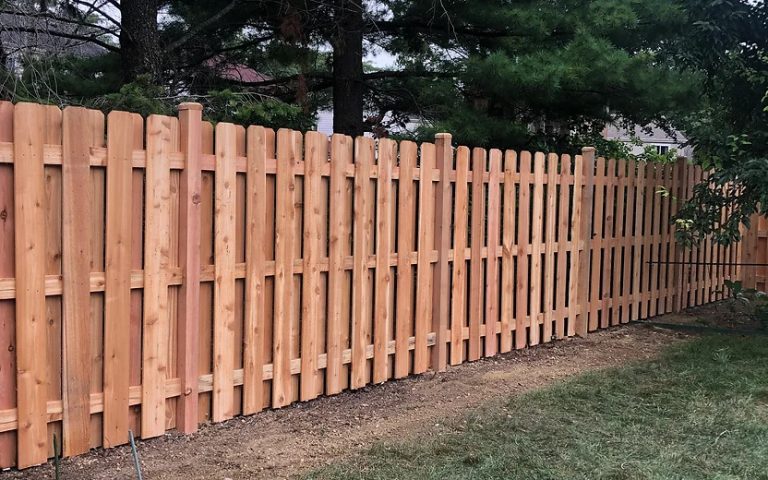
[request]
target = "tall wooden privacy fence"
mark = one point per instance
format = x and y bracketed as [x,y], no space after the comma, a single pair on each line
[157,274]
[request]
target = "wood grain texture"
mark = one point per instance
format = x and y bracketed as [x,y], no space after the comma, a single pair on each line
[117,289]
[523,243]
[255,258]
[316,155]
[339,233]
[382,317]
[492,284]
[76,219]
[284,245]
[406,227]
[31,377]
[188,329]
[441,281]
[424,270]
[586,195]
[477,240]
[459,277]
[7,307]
[507,255]
[156,261]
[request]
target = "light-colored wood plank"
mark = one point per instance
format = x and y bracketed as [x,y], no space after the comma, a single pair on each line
[523,244]
[492,284]
[574,307]
[459,281]
[188,328]
[316,154]
[585,195]
[7,308]
[608,244]
[424,273]
[361,301]
[117,288]
[29,191]
[441,280]
[595,301]
[619,233]
[224,283]
[284,245]
[476,232]
[507,256]
[638,240]
[382,319]
[156,261]
[563,230]
[255,257]
[537,248]
[626,299]
[550,245]
[341,157]
[76,217]
[406,196]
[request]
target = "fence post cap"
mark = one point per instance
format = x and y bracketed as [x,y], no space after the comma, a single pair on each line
[443,136]
[190,106]
[588,149]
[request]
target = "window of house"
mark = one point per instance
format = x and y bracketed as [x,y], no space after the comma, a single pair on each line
[662,149]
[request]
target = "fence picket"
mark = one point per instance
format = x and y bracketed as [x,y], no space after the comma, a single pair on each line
[459,279]
[405,247]
[476,230]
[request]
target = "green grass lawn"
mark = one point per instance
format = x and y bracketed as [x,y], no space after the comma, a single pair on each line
[700,411]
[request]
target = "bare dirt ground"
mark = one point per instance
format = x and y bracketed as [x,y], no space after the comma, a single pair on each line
[284,443]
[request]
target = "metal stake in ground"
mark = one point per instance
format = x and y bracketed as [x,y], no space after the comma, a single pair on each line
[135,452]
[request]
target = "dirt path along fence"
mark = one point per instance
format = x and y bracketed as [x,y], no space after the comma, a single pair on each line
[160,273]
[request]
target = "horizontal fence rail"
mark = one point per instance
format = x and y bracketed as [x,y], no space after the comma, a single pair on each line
[159,273]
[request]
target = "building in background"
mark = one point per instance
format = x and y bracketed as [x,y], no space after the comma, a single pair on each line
[650,136]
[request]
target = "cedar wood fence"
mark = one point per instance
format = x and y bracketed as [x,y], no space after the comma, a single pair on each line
[162,273]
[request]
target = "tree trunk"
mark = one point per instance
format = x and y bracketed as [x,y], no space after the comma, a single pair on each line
[348,88]
[139,40]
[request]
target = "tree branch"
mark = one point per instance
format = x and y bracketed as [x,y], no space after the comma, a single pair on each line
[201,26]
[55,33]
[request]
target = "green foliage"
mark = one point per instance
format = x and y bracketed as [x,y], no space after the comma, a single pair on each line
[250,109]
[750,301]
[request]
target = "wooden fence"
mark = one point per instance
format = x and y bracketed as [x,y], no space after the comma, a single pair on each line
[162,273]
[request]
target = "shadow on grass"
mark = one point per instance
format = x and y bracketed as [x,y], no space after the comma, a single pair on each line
[700,411]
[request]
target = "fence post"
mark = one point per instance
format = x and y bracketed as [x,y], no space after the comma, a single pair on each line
[585,238]
[441,282]
[680,182]
[190,123]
